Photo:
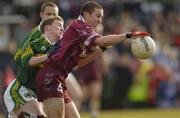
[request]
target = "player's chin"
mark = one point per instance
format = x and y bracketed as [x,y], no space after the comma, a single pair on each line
[95,25]
[59,35]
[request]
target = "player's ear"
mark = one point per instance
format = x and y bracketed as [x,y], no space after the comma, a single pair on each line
[47,27]
[86,14]
[41,15]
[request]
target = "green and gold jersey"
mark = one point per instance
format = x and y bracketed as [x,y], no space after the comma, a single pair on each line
[27,74]
[31,46]
[40,45]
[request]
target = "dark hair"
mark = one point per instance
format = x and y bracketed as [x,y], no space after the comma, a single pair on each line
[48,4]
[89,7]
[49,21]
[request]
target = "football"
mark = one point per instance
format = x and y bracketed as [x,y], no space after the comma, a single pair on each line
[143,47]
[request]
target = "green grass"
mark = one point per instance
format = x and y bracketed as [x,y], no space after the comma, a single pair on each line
[140,113]
[136,113]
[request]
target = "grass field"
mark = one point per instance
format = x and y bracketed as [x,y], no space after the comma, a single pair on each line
[139,113]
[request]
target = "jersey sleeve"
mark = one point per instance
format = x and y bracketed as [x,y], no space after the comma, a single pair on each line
[21,49]
[37,47]
[28,53]
[87,33]
[17,56]
[90,38]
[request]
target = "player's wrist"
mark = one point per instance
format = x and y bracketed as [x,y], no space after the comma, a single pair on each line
[136,34]
[129,35]
[46,57]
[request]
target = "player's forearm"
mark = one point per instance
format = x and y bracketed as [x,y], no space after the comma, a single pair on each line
[90,57]
[110,40]
[37,60]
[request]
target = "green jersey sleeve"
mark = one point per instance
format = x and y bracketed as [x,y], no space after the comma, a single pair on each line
[35,33]
[28,53]
[36,47]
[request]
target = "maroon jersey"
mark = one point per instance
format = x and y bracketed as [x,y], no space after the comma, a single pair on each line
[77,40]
[75,43]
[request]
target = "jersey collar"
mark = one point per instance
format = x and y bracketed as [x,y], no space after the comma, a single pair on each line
[81,18]
[39,26]
[44,36]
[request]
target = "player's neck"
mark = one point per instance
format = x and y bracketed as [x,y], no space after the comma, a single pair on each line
[51,38]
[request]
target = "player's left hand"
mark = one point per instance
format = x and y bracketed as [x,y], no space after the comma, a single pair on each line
[137,34]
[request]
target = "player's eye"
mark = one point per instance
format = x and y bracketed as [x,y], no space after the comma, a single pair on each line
[55,14]
[60,28]
[48,14]
[51,14]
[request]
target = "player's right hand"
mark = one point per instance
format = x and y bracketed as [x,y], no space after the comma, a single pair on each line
[137,34]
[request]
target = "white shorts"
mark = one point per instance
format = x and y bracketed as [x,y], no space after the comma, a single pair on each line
[16,95]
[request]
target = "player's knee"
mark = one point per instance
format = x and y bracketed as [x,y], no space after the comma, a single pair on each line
[36,107]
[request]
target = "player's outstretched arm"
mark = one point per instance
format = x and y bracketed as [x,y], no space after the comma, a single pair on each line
[114,39]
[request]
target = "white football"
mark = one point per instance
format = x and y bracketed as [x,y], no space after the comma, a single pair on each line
[143,47]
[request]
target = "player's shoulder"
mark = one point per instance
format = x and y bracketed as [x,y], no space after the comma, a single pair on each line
[78,24]
[40,44]
[37,41]
[36,30]
[35,33]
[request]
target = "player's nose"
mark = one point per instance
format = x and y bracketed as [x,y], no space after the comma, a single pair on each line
[62,29]
[100,20]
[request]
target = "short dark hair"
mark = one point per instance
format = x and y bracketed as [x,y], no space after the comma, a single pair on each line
[89,7]
[49,21]
[47,4]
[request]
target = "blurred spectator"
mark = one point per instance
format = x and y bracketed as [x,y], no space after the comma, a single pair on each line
[7,69]
[138,93]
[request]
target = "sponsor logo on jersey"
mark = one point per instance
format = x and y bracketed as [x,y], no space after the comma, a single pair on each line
[43,48]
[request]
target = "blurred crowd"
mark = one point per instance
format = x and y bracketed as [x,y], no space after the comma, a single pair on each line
[127,81]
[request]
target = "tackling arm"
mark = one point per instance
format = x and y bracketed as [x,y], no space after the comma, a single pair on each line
[90,57]
[28,58]
[34,55]
[35,60]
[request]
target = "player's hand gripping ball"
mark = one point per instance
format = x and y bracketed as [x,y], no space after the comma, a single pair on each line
[143,47]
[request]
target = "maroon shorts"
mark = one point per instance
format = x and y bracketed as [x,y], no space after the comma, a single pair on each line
[50,83]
